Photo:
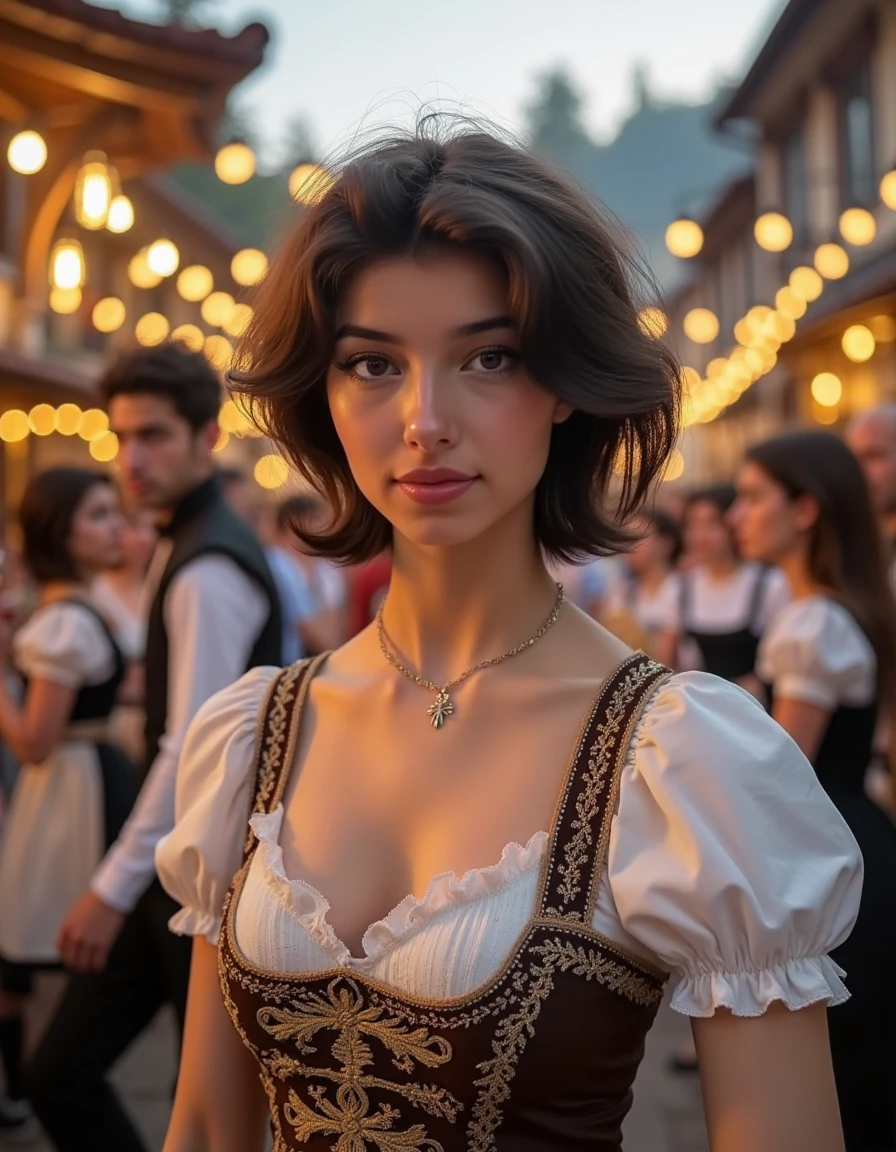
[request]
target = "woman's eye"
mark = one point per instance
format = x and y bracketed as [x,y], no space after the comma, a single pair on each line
[492,360]
[372,367]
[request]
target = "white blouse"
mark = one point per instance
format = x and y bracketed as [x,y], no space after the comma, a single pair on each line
[815,652]
[728,865]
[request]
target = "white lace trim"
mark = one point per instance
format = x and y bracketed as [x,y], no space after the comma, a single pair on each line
[445,891]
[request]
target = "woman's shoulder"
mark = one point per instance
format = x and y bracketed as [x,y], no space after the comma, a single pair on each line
[64,641]
[817,641]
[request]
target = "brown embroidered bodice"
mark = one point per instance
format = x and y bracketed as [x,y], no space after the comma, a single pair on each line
[539,1059]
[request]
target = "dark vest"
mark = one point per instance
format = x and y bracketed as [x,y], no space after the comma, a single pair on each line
[203,523]
[730,655]
[541,1058]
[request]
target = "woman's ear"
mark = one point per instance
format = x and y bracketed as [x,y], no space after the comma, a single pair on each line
[562,412]
[806,512]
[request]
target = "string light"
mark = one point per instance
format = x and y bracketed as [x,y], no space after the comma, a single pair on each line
[831,261]
[701,325]
[271,471]
[94,423]
[104,448]
[858,226]
[308,183]
[67,264]
[773,232]
[94,191]
[216,308]
[249,266]
[121,214]
[140,273]
[218,351]
[42,419]
[65,301]
[108,314]
[806,283]
[195,282]
[888,189]
[684,238]
[235,162]
[190,335]
[27,152]
[858,343]
[68,419]
[163,257]
[14,426]
[827,389]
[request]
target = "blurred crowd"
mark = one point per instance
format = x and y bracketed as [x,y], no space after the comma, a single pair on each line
[776,581]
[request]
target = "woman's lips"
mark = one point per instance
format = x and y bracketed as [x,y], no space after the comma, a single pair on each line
[437,492]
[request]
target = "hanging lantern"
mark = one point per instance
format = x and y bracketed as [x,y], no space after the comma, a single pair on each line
[858,226]
[235,162]
[163,257]
[95,188]
[67,264]
[773,232]
[684,238]
[249,266]
[27,152]
[121,214]
[195,282]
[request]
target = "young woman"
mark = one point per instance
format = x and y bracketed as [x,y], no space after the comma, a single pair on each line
[74,788]
[449,350]
[830,661]
[642,607]
[725,602]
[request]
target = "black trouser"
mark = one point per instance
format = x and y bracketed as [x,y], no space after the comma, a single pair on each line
[99,1016]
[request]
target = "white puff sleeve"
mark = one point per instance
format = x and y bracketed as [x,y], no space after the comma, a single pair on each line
[64,643]
[815,652]
[727,861]
[197,861]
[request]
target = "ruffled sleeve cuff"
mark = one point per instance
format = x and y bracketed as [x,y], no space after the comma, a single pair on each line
[193,922]
[796,983]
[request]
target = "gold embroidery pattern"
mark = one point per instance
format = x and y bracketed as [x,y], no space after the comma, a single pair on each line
[342,1010]
[276,724]
[565,956]
[578,845]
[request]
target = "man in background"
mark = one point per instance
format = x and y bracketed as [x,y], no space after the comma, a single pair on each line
[214,615]
[872,437]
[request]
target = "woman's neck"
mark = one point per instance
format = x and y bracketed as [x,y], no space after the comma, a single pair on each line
[449,608]
[63,590]
[722,569]
[651,579]
[802,584]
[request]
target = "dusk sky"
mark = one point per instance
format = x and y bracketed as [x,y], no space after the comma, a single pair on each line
[347,63]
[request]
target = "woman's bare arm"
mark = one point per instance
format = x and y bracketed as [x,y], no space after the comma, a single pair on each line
[219,1105]
[804,723]
[33,729]
[767,1081]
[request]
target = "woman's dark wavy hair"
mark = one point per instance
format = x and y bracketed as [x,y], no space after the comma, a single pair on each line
[846,555]
[49,505]
[571,293]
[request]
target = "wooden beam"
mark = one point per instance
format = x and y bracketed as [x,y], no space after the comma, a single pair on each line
[12,109]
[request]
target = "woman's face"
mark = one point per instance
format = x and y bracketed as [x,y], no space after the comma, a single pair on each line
[138,540]
[707,537]
[765,519]
[445,433]
[652,550]
[95,540]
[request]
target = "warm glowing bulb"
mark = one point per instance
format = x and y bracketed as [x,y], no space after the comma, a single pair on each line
[888,189]
[684,238]
[806,283]
[674,469]
[653,321]
[218,351]
[108,314]
[773,232]
[858,343]
[65,301]
[27,153]
[121,214]
[701,325]
[190,335]
[94,423]
[14,426]
[235,163]
[140,273]
[151,329]
[104,448]
[68,419]
[831,261]
[789,303]
[308,183]
[94,190]
[271,472]
[163,257]
[827,389]
[42,419]
[216,308]
[857,226]
[195,282]
[238,320]
[248,266]
[67,264]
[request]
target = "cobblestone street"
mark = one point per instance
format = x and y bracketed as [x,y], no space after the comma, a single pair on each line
[666,1116]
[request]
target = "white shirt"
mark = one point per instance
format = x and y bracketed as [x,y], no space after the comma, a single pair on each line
[728,865]
[213,614]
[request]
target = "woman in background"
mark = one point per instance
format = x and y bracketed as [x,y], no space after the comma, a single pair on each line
[829,659]
[74,789]
[642,606]
[725,602]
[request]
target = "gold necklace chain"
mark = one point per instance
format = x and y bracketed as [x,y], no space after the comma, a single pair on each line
[444,705]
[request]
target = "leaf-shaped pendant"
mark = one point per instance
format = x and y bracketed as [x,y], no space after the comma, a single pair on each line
[441,710]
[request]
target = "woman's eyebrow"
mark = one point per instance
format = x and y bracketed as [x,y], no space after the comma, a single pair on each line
[477,326]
